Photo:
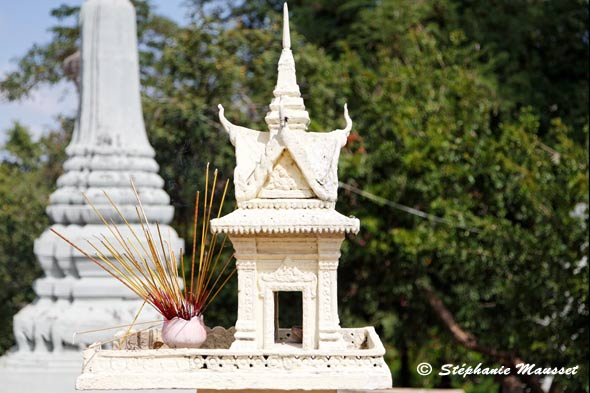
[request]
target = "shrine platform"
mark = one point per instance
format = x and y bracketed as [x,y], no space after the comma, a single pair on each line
[138,365]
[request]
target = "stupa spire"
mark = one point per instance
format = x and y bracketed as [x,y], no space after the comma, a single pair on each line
[109,146]
[110,118]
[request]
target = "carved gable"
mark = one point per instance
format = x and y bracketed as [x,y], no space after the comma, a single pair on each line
[286,180]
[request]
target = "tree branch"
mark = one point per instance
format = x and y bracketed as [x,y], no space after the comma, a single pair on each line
[469,341]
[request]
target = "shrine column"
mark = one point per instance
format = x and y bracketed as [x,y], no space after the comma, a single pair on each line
[245,254]
[329,323]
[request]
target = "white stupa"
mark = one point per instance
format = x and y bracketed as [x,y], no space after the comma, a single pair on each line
[109,148]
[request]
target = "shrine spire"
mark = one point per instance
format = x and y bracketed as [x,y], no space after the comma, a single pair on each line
[287,91]
[286,31]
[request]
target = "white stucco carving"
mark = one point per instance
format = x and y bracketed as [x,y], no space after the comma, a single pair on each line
[286,275]
[314,154]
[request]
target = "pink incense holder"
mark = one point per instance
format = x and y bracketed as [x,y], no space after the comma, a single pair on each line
[180,333]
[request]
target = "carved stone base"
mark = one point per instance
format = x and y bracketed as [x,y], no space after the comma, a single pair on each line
[284,367]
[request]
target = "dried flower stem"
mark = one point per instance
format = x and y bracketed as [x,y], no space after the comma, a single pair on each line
[146,264]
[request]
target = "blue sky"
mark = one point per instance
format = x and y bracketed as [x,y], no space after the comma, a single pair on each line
[25,22]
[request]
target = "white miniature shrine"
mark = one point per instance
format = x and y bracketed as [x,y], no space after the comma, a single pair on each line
[287,236]
[285,232]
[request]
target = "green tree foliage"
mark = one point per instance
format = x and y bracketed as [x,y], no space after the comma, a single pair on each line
[28,171]
[540,62]
[466,163]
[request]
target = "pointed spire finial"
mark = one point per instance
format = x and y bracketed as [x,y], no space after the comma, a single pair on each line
[286,31]
[287,101]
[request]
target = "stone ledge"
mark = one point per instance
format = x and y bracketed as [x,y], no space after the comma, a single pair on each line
[284,221]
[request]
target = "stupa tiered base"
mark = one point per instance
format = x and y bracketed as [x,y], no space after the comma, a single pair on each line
[284,367]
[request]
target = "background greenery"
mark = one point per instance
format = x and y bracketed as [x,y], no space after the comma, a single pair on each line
[472,112]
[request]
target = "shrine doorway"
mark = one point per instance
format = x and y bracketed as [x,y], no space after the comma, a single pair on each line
[288,317]
[288,278]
